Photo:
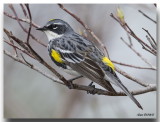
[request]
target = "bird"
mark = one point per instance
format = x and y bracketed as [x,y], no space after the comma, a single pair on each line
[79,56]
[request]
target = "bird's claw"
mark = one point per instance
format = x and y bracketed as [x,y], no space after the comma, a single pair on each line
[70,85]
[93,91]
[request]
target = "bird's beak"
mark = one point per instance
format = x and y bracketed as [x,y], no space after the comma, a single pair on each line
[41,28]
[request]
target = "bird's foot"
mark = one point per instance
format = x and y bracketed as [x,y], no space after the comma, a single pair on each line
[93,91]
[70,85]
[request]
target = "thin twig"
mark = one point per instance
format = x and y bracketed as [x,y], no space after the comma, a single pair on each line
[22,20]
[87,28]
[132,66]
[132,78]
[22,50]
[72,79]
[144,45]
[150,36]
[147,16]
[14,48]
[20,42]
[30,25]
[24,29]
[138,54]
[130,31]
[12,8]
[130,40]
[151,43]
[33,67]
[24,11]
[38,57]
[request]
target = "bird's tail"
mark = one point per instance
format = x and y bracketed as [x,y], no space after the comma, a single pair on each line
[107,85]
[126,91]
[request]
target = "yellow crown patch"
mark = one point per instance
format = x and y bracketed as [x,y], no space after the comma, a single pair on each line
[51,19]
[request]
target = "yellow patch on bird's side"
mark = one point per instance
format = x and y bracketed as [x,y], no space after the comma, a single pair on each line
[56,56]
[108,63]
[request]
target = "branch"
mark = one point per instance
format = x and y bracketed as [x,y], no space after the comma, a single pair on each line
[147,16]
[22,20]
[150,37]
[132,78]
[87,28]
[151,43]
[125,26]
[138,54]
[132,66]
[130,40]
[24,29]
[20,42]
[82,87]
[33,67]
[103,92]
[22,50]
[11,41]
[38,58]
[30,25]
[24,11]
[12,8]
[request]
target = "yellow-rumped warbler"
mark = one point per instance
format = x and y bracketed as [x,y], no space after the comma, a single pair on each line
[79,56]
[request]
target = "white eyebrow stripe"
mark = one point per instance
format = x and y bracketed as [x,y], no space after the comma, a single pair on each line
[58,23]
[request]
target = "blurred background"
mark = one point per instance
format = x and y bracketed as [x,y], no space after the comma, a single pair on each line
[28,94]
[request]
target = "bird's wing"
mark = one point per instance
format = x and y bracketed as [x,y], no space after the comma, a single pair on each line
[75,54]
[81,63]
[72,48]
[91,70]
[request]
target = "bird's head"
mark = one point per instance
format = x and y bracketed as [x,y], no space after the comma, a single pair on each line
[56,28]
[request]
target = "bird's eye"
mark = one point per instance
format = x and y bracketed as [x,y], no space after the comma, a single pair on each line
[54,26]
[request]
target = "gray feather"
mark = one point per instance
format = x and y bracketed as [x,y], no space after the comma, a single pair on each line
[115,80]
[91,70]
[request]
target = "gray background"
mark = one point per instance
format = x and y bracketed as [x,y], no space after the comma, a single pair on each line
[28,94]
